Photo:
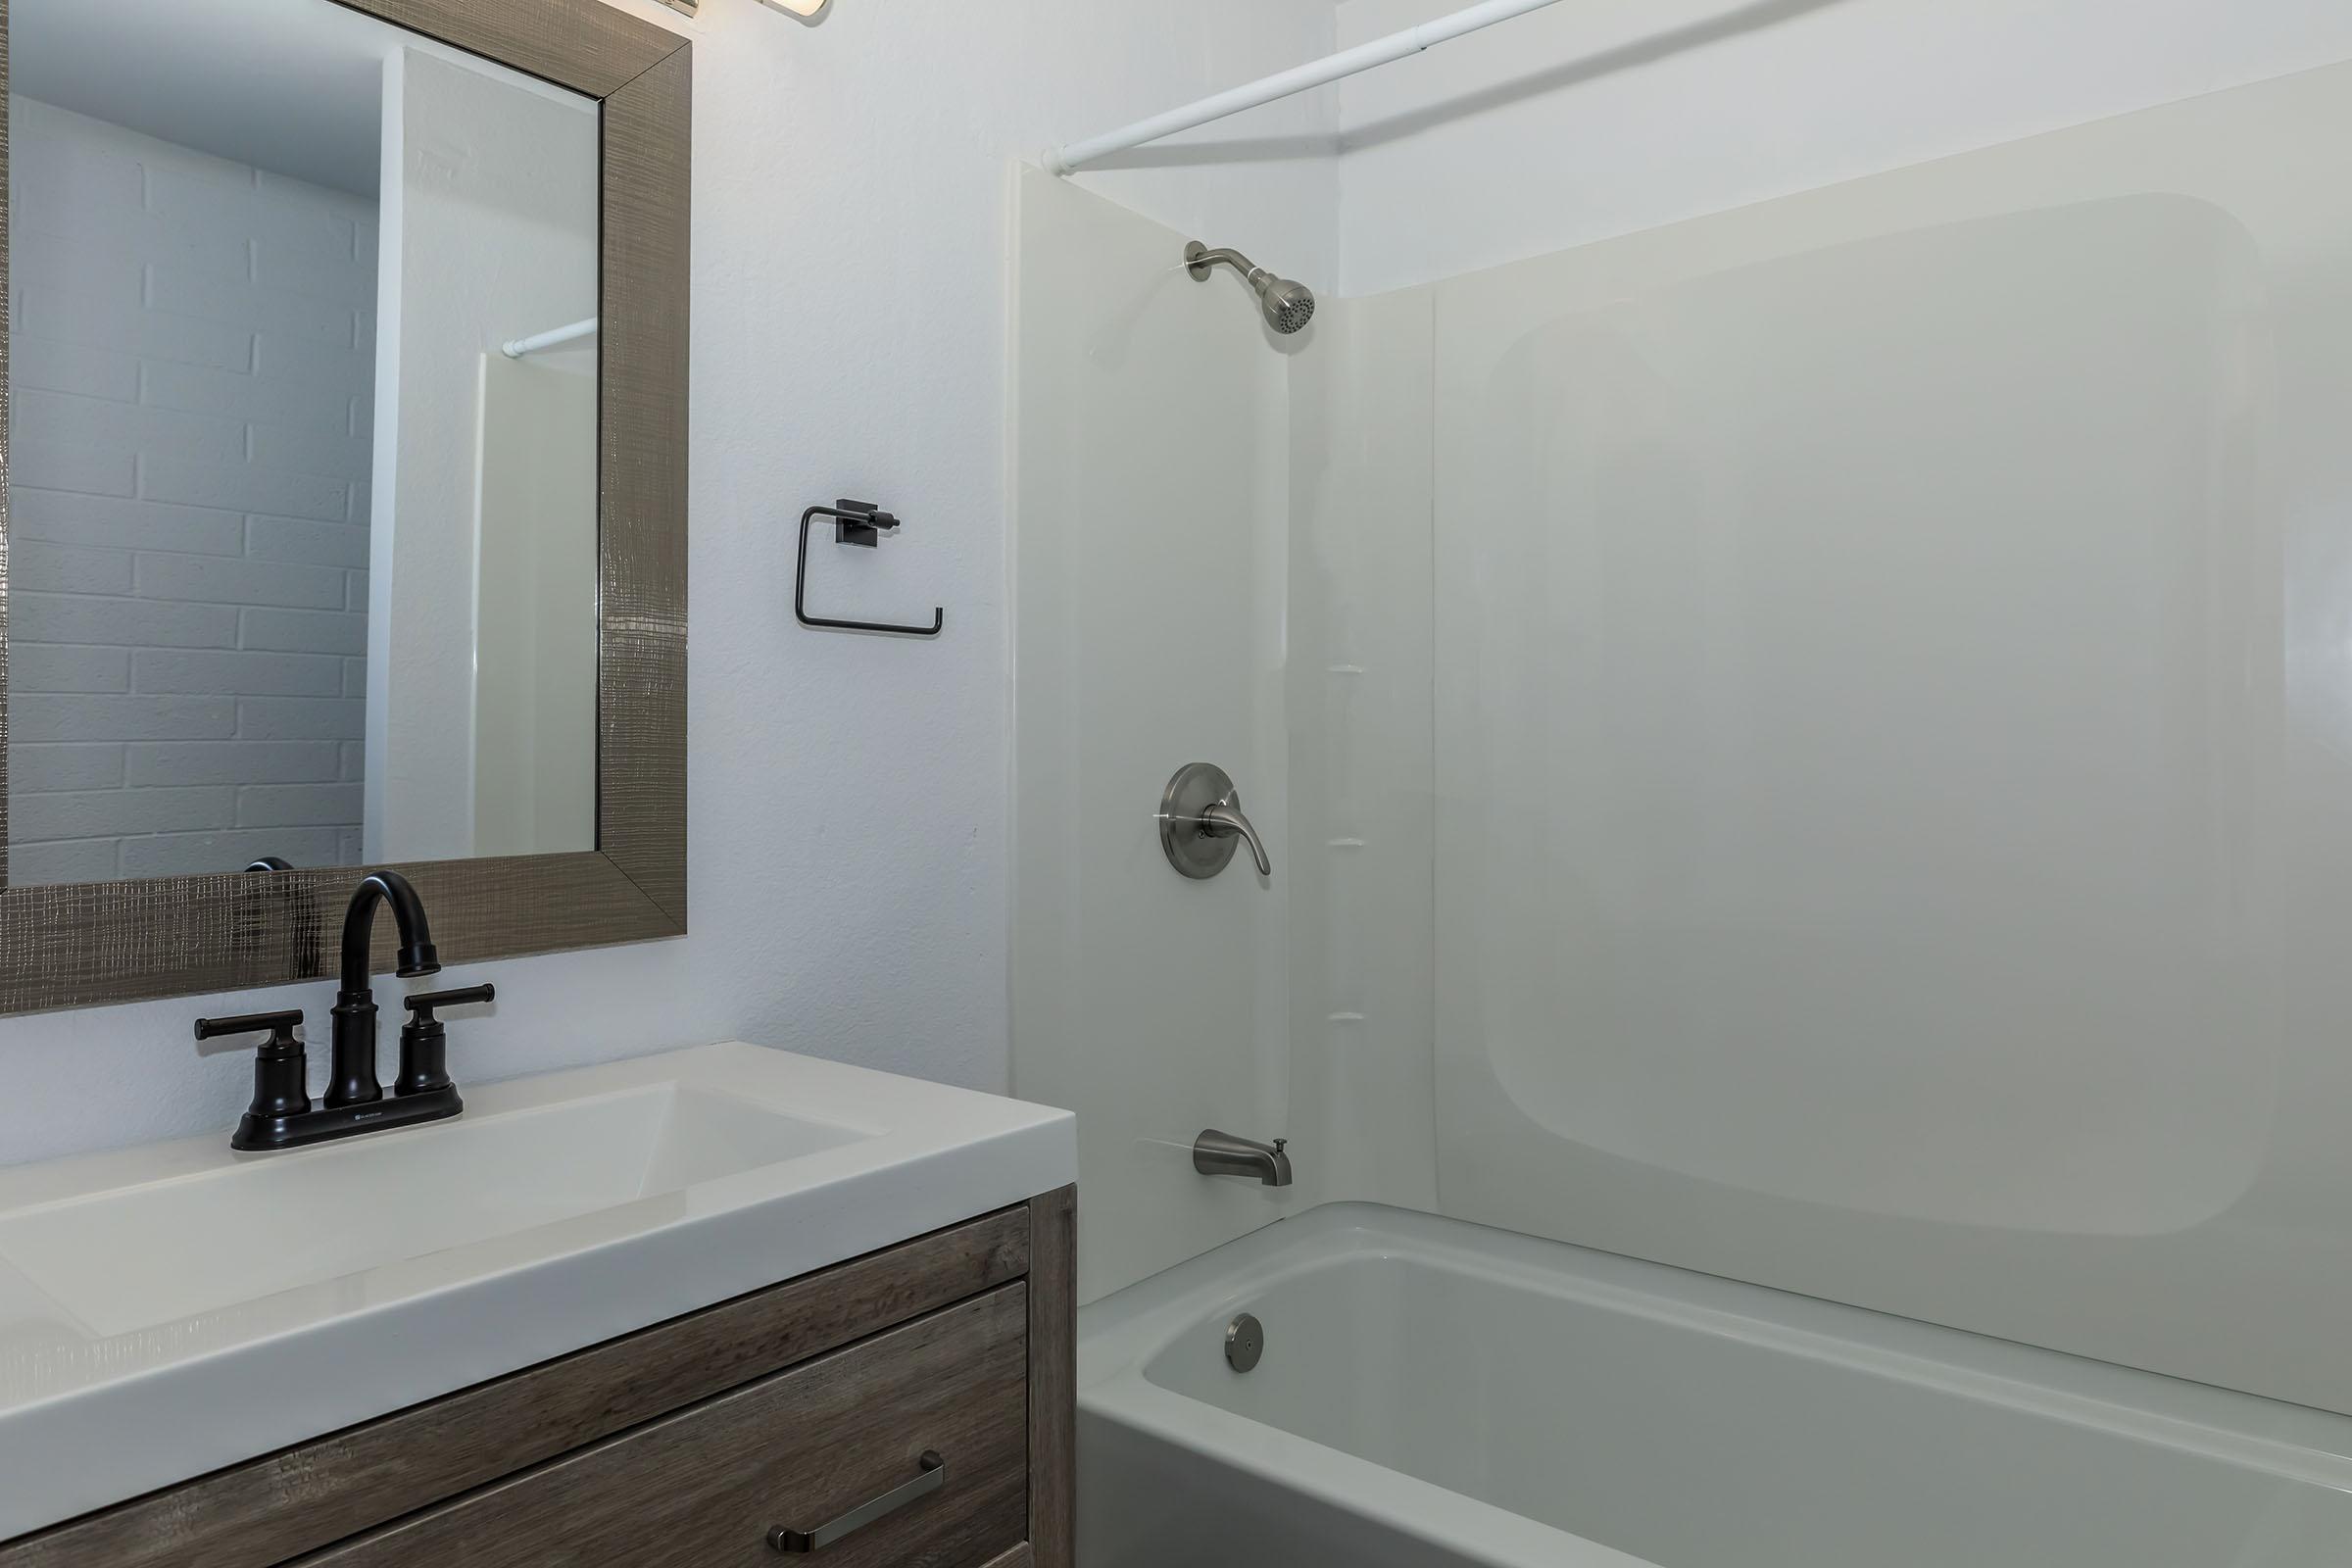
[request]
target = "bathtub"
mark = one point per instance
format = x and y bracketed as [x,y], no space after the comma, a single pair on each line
[1434,1393]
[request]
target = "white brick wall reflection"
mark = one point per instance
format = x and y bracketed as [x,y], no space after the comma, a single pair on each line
[192,364]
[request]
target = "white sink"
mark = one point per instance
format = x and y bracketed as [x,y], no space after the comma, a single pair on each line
[144,1295]
[152,1253]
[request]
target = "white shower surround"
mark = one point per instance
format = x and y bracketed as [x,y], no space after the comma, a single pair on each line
[2134,764]
[1887,697]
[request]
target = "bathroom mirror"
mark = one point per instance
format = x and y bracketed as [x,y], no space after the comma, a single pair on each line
[345,481]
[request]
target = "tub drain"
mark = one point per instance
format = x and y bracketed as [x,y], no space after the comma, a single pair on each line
[1244,1343]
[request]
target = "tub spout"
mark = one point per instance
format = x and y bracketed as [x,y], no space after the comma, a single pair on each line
[1216,1153]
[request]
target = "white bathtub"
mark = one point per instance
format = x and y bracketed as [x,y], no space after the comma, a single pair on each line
[1434,1393]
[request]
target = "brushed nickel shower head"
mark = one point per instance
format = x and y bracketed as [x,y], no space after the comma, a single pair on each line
[1288,306]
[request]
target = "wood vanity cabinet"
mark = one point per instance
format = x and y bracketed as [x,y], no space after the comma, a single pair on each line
[939,1376]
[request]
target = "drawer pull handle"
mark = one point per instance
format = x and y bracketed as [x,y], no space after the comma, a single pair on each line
[932,1479]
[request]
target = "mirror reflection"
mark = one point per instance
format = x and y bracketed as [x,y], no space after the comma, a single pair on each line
[302,529]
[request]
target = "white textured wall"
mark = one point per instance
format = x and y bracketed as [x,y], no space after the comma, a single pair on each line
[1604,116]
[191,365]
[848,795]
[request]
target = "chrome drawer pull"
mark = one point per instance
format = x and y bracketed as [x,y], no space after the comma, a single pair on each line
[932,1479]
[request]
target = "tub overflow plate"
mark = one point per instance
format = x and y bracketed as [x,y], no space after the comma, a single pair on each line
[1244,1343]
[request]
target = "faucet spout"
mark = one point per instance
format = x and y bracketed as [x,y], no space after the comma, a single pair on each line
[416,955]
[1216,1153]
[352,1080]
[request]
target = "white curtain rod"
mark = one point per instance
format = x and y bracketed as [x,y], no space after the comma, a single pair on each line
[1284,83]
[516,348]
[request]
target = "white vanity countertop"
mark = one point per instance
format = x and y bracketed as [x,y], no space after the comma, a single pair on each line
[168,1310]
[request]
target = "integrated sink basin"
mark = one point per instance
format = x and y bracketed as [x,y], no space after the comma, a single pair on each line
[170,1311]
[164,1251]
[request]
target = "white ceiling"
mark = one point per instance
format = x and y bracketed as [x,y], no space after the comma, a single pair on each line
[293,86]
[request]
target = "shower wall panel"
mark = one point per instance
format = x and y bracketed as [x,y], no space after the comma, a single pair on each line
[1151,568]
[1362,767]
[1893,700]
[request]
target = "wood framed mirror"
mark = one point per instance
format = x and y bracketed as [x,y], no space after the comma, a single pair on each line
[266,601]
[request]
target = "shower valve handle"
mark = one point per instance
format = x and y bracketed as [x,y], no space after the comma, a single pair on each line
[1201,818]
[1225,820]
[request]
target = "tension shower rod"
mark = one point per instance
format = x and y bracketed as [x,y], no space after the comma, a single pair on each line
[516,348]
[1284,83]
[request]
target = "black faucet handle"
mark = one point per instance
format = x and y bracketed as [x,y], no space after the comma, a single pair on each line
[421,1008]
[279,1026]
[425,1041]
[278,1071]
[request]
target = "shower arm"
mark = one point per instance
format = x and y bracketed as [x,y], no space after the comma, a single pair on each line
[1287,306]
[1199,264]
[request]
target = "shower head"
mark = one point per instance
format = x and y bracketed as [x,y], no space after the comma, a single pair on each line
[1287,306]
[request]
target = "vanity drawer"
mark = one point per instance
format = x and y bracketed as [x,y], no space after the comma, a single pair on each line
[796,1450]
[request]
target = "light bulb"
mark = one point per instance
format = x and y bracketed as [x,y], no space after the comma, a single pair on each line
[804,10]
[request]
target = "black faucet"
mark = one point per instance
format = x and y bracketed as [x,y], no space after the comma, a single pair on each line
[352,1081]
[282,1115]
